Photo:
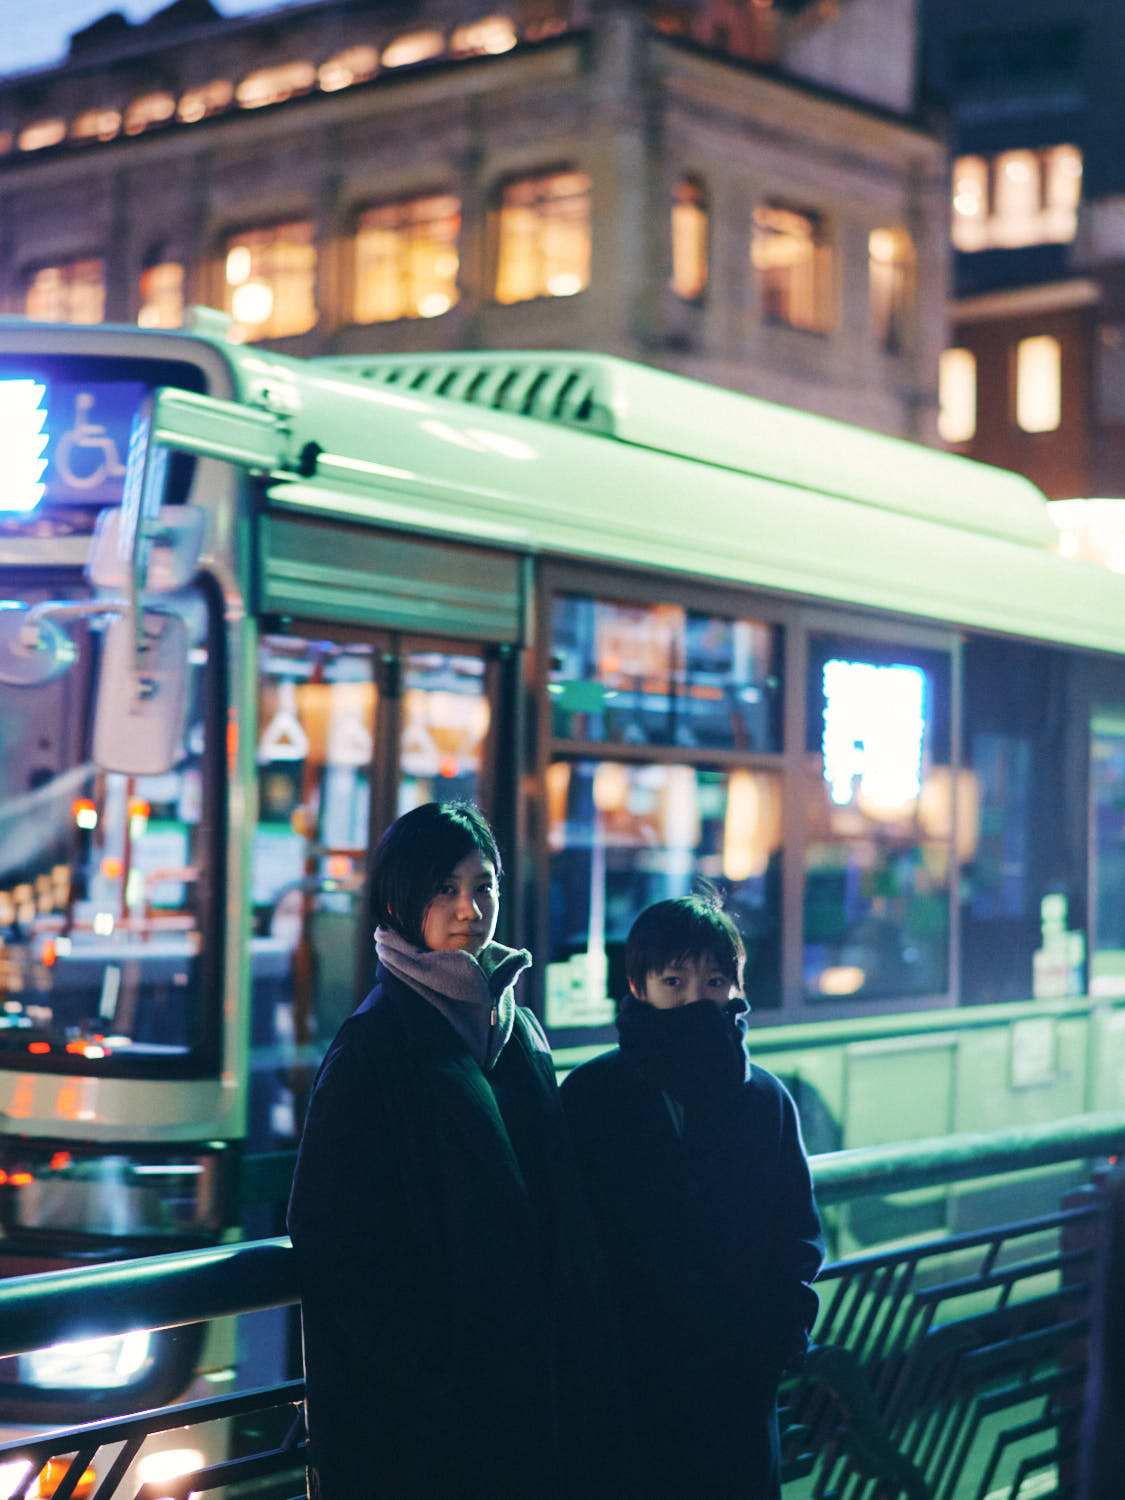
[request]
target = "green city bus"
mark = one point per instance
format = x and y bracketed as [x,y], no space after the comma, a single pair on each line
[253,607]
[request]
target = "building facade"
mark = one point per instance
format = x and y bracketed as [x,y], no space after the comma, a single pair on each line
[739,191]
[1034,373]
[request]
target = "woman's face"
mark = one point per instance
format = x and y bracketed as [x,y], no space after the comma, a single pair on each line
[462,913]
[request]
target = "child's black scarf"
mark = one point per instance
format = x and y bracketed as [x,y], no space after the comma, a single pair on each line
[691,1052]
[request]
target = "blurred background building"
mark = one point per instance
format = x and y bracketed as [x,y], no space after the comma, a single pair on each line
[744,191]
[1035,375]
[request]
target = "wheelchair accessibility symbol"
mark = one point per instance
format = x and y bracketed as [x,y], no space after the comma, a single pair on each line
[86,455]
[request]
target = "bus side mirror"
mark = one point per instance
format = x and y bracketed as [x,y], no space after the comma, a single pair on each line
[141,705]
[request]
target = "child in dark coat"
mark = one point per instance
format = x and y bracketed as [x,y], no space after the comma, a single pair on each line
[700,1187]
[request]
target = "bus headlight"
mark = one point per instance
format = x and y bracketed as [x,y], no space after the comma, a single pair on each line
[89,1364]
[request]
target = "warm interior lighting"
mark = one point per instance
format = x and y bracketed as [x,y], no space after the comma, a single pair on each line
[355,65]
[42,134]
[689,239]
[147,111]
[493,34]
[414,47]
[275,85]
[957,395]
[1039,383]
[210,99]
[96,125]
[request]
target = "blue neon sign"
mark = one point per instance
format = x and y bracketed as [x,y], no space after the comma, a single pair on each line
[82,432]
[23,414]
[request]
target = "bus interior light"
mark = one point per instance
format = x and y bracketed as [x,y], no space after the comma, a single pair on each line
[23,441]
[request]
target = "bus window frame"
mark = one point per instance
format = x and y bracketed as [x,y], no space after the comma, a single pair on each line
[204,1057]
[798,619]
[389,645]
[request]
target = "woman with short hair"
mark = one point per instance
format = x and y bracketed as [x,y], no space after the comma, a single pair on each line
[454,1317]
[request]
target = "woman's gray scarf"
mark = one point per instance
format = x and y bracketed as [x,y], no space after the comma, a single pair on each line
[473,994]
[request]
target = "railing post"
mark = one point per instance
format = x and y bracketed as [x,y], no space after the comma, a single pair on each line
[1078,1246]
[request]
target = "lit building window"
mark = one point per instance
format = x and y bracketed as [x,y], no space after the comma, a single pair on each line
[162,295]
[275,85]
[957,395]
[792,262]
[1062,188]
[1017,198]
[211,99]
[543,237]
[7,142]
[414,47]
[1038,383]
[96,125]
[490,35]
[890,259]
[147,111]
[71,293]
[42,134]
[271,281]
[406,259]
[970,203]
[355,65]
[689,239]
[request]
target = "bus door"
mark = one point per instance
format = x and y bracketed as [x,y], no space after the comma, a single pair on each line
[354,728]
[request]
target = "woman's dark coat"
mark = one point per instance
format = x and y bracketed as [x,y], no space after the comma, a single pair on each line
[453,1314]
[710,1235]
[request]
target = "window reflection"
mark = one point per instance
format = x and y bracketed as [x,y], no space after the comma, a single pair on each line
[662,675]
[445,721]
[621,836]
[543,235]
[102,878]
[880,821]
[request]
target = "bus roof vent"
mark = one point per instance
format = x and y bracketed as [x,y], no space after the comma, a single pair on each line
[548,386]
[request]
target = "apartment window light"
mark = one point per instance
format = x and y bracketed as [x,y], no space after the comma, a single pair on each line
[957,395]
[1038,383]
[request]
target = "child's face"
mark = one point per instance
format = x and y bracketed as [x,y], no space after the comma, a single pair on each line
[684,982]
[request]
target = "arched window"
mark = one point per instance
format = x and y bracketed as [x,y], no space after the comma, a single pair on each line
[96,125]
[354,65]
[689,239]
[41,134]
[543,237]
[275,85]
[147,111]
[209,99]
[414,47]
[490,35]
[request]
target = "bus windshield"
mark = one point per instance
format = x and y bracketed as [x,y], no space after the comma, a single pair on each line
[102,876]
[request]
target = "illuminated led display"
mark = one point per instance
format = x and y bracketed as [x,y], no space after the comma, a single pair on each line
[874,723]
[23,412]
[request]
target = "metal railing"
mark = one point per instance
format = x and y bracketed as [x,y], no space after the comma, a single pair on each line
[949,1369]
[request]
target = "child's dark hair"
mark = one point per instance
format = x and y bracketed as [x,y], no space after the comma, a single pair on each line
[415,855]
[669,931]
